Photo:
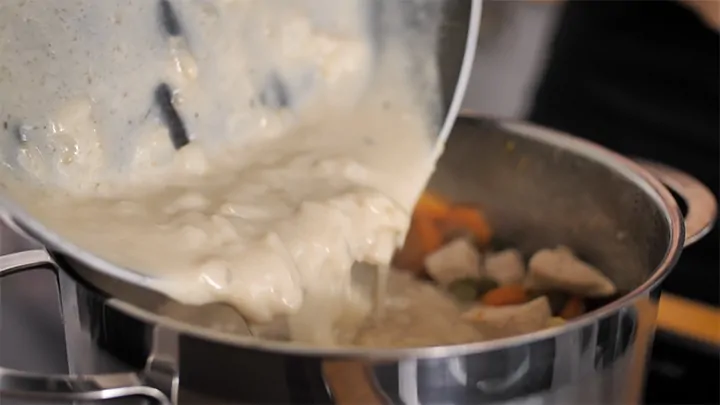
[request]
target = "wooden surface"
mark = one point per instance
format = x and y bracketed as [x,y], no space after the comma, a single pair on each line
[689,319]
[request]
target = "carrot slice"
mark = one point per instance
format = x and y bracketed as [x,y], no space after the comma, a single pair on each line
[430,236]
[574,307]
[506,295]
[431,206]
[422,239]
[470,219]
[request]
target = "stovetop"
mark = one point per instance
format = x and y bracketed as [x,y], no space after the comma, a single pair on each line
[33,338]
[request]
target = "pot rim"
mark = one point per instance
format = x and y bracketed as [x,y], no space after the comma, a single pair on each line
[622,165]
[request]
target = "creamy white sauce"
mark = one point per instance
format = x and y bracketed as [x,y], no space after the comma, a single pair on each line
[278,192]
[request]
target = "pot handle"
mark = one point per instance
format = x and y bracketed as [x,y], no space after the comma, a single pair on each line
[701,203]
[57,387]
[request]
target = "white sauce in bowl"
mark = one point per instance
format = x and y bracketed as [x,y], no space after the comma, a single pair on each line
[278,192]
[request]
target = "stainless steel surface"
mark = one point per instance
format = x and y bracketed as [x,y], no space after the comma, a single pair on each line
[701,203]
[40,386]
[539,188]
[590,362]
[31,328]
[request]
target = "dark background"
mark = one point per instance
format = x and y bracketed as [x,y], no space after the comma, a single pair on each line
[642,78]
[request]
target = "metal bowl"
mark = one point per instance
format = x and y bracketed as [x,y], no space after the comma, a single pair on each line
[438,36]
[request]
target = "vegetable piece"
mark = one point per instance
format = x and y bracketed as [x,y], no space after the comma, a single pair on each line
[506,295]
[469,289]
[464,290]
[422,239]
[555,321]
[513,319]
[431,206]
[505,267]
[461,218]
[430,237]
[552,269]
[457,260]
[574,307]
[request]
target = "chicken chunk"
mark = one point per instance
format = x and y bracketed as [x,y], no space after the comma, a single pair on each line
[559,269]
[514,319]
[505,267]
[457,260]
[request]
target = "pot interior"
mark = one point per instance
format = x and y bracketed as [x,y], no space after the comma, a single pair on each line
[538,190]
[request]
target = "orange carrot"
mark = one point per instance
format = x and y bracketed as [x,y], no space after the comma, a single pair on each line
[423,238]
[461,218]
[574,307]
[430,236]
[431,206]
[505,295]
[434,219]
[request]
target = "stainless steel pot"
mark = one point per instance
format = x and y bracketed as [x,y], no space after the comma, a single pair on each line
[538,187]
